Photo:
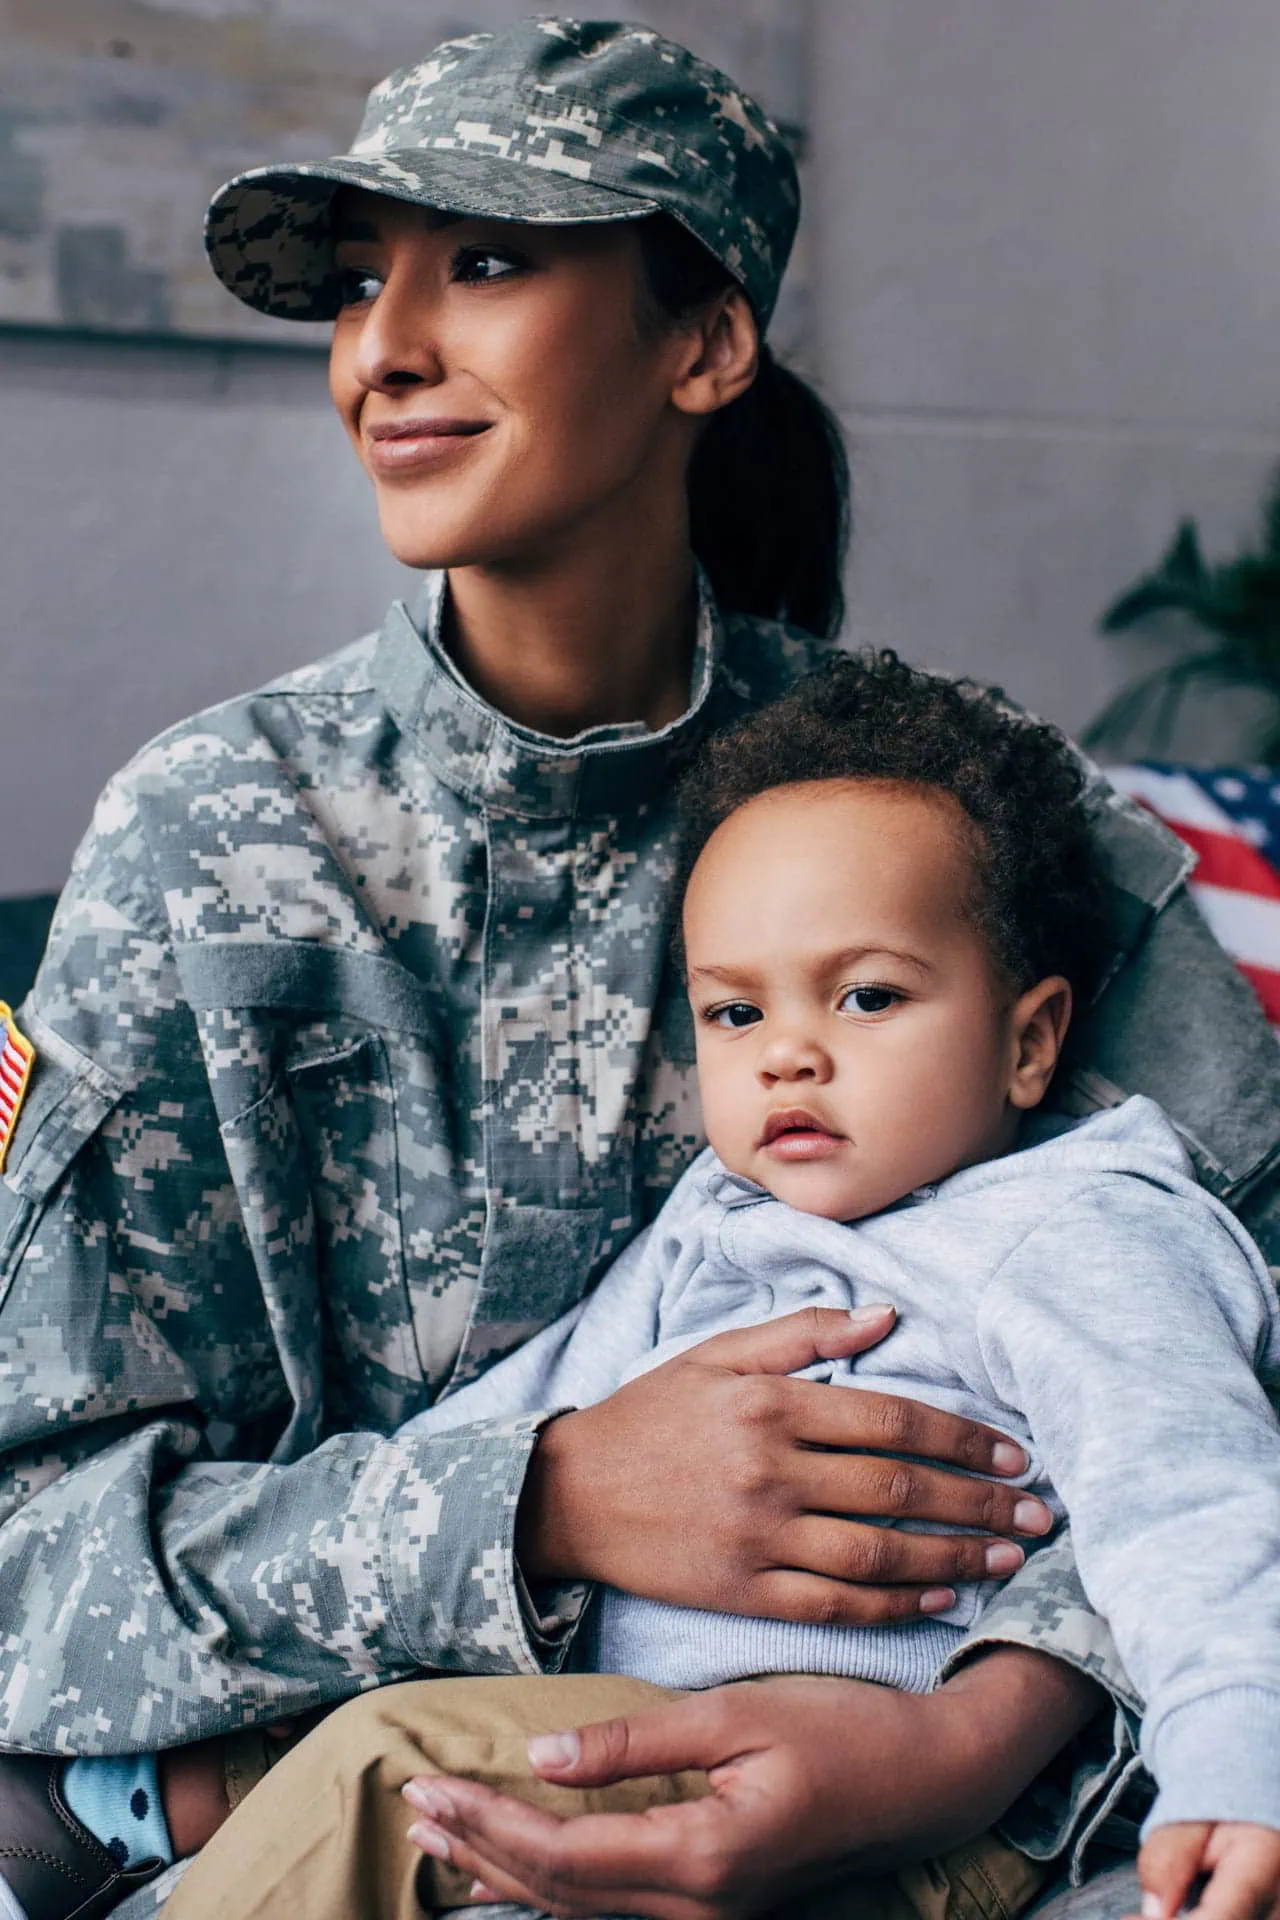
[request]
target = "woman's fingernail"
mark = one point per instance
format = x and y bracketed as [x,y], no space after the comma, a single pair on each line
[555,1751]
[1003,1557]
[1152,1906]
[427,1797]
[430,1839]
[1032,1516]
[1006,1458]
[937,1599]
[478,1891]
[867,1316]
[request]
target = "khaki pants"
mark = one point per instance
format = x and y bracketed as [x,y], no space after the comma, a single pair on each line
[322,1835]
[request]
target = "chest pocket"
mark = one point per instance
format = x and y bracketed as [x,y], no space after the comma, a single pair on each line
[345,1109]
[537,1264]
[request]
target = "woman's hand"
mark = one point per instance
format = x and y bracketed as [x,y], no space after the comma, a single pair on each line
[713,1481]
[807,1776]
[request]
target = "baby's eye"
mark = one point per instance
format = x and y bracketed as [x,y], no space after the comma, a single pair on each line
[738,1013]
[868,1000]
[480,266]
[356,286]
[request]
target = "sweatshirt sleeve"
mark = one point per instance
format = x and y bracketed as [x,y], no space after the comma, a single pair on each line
[1127,1328]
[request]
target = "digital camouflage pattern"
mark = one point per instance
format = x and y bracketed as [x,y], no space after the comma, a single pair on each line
[360,1052]
[553,121]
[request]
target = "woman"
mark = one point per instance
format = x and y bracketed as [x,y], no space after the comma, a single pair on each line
[359,1050]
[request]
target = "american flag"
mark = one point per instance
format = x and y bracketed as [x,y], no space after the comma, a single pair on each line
[1230,816]
[16,1056]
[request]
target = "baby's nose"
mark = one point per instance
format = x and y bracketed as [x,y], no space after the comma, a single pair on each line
[795,1057]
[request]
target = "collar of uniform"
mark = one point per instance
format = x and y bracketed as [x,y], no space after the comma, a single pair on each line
[511,769]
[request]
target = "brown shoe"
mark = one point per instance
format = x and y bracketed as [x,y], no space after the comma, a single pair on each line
[51,1865]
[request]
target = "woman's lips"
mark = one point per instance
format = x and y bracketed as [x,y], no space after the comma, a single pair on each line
[419,443]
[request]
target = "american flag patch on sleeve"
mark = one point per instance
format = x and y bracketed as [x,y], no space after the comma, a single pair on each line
[17,1056]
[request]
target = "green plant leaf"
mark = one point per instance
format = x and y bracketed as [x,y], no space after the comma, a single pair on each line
[1147,709]
[1236,603]
[1177,585]
[1184,560]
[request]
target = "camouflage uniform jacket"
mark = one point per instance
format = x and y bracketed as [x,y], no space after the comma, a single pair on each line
[360,1053]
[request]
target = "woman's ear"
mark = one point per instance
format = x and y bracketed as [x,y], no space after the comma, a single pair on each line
[722,357]
[1037,1028]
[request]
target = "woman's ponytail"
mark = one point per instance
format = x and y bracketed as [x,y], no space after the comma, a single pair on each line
[769,503]
[769,480]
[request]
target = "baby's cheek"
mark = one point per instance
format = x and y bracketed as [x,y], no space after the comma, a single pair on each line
[723,1135]
[726,1115]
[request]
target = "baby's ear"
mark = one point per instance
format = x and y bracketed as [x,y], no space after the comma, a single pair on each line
[1037,1028]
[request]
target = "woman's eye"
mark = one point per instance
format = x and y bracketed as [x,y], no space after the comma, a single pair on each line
[356,286]
[739,1013]
[478,266]
[869,1000]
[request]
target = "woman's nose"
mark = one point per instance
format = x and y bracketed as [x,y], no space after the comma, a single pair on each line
[399,346]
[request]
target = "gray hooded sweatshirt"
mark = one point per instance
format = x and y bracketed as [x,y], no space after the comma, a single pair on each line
[1084,1295]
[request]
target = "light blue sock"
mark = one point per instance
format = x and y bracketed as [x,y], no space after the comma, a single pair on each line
[9,1907]
[118,1799]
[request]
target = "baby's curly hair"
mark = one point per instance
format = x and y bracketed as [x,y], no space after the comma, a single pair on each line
[1041,894]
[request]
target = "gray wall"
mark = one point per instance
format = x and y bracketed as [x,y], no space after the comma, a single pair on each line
[1043,267]
[176,524]
[1047,288]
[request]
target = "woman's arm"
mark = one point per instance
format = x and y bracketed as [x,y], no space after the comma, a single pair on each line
[776,1471]
[779,1471]
[809,1777]
[150,1290]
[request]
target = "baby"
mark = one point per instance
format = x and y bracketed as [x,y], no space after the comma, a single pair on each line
[892,903]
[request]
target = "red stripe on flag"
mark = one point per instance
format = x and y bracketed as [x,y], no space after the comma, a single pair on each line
[1265,982]
[11,1067]
[8,1078]
[7,1104]
[1226,861]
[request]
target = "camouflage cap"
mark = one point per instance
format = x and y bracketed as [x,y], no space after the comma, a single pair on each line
[553,121]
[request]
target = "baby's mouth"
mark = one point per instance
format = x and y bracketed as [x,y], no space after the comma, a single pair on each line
[793,1133]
